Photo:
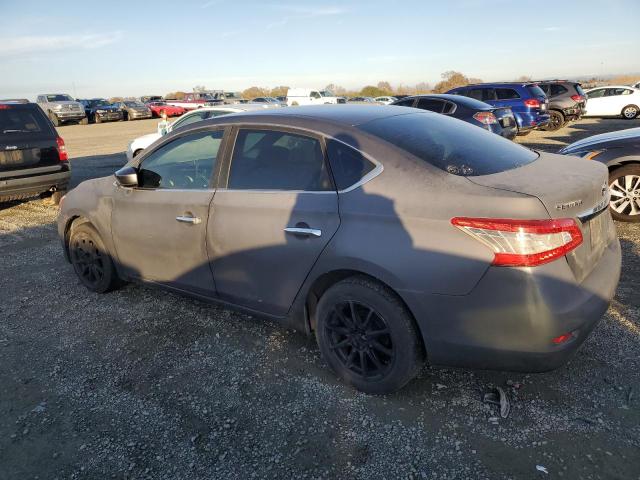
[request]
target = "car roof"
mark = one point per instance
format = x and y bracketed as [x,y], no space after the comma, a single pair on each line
[614,86]
[459,99]
[338,115]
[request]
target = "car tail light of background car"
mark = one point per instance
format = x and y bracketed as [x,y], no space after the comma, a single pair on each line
[523,243]
[486,118]
[62,150]
[532,103]
[578,98]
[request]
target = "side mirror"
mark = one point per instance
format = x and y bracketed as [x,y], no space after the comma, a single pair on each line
[127,177]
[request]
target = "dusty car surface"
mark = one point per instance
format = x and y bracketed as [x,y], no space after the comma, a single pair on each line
[394,235]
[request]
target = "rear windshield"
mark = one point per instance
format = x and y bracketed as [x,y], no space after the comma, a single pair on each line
[580,90]
[535,91]
[17,120]
[456,147]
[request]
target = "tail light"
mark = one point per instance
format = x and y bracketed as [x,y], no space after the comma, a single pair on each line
[532,102]
[577,98]
[62,150]
[523,243]
[486,118]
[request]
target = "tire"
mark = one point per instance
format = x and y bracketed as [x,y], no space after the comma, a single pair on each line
[84,121]
[56,196]
[54,119]
[624,186]
[91,261]
[523,134]
[375,364]
[97,119]
[630,112]
[556,121]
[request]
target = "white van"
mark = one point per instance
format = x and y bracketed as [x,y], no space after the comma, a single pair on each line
[308,96]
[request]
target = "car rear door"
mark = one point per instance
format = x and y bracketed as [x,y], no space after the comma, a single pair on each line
[159,228]
[27,141]
[273,213]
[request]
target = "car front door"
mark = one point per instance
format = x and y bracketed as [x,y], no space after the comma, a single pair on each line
[273,213]
[159,228]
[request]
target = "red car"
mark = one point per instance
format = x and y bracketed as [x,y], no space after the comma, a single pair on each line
[158,107]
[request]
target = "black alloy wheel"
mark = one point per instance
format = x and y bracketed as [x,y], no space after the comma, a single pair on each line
[87,259]
[361,339]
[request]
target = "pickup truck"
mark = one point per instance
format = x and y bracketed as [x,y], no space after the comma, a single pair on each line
[62,108]
[191,101]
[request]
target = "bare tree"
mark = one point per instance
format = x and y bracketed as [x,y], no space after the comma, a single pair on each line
[199,88]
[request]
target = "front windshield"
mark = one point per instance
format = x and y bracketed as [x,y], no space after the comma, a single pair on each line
[326,93]
[99,103]
[59,98]
[134,104]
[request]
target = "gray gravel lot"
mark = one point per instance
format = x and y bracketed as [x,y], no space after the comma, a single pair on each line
[140,383]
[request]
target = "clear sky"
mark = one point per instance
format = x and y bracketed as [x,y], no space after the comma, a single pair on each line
[119,48]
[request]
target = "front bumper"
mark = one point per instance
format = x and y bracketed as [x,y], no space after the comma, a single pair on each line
[139,115]
[66,115]
[508,321]
[110,116]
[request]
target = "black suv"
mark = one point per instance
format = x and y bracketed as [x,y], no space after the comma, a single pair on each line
[567,102]
[33,158]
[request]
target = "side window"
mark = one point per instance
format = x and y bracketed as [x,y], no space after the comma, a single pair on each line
[430,104]
[405,103]
[314,95]
[596,93]
[191,118]
[273,160]
[476,93]
[449,108]
[557,90]
[347,164]
[185,163]
[626,91]
[488,94]
[506,94]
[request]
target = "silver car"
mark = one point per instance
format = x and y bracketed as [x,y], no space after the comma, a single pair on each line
[394,235]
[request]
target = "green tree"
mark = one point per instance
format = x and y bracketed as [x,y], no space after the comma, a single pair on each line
[371,91]
[452,79]
[253,92]
[280,91]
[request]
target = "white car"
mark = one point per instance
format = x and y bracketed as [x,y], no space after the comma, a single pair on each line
[613,101]
[140,143]
[307,96]
[385,100]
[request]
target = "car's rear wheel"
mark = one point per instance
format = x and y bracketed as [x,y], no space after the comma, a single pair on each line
[84,121]
[556,121]
[90,259]
[97,118]
[624,186]
[630,112]
[367,336]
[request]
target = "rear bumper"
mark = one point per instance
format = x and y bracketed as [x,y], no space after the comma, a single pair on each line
[34,184]
[531,121]
[508,321]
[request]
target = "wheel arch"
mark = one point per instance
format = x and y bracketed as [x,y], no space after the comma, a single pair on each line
[74,220]
[326,280]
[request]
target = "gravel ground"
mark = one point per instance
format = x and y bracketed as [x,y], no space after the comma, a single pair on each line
[143,384]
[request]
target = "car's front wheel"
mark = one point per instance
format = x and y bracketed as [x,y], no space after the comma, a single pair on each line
[54,119]
[367,336]
[624,186]
[91,260]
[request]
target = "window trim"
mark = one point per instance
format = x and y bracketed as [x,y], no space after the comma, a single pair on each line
[170,138]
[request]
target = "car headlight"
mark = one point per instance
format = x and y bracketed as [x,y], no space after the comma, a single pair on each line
[101,111]
[57,107]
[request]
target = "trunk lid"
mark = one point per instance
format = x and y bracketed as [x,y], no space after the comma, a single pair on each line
[505,117]
[568,187]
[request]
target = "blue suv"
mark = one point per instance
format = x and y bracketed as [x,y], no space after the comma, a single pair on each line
[528,101]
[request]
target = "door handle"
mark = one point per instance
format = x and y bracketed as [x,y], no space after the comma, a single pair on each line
[188,219]
[304,231]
